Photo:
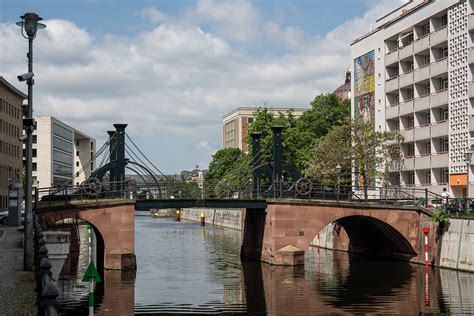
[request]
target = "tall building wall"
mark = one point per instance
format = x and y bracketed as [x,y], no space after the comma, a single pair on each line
[62,154]
[11,125]
[423,70]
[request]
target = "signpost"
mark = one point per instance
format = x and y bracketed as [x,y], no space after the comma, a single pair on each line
[91,274]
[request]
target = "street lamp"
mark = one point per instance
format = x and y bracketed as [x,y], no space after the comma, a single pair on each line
[29,25]
[338,170]
[467,160]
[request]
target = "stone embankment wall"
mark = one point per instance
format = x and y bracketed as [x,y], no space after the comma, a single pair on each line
[457,244]
[230,218]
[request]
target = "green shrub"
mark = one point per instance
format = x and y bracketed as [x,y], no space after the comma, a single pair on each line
[440,216]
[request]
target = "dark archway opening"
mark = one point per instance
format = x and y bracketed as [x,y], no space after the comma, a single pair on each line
[374,238]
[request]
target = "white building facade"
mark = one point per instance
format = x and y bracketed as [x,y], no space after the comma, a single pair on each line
[414,74]
[61,154]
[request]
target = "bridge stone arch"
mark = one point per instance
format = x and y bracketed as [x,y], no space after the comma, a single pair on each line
[388,231]
[371,236]
[113,222]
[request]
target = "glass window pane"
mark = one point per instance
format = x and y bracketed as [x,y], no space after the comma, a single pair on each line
[62,144]
[62,157]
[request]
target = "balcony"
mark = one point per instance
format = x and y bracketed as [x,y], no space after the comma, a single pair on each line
[470,22]
[391,112]
[422,103]
[423,162]
[422,132]
[471,123]
[391,57]
[405,51]
[439,98]
[406,108]
[471,55]
[407,135]
[439,36]
[439,67]
[440,160]
[405,79]
[391,85]
[407,164]
[421,44]
[439,129]
[422,73]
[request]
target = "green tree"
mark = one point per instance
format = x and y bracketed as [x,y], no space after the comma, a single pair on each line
[371,151]
[331,150]
[299,135]
[291,150]
[351,144]
[223,162]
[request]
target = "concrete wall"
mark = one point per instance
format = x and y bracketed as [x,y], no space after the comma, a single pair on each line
[457,246]
[230,218]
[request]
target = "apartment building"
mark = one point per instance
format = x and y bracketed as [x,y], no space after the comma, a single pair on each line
[413,73]
[236,122]
[11,126]
[61,154]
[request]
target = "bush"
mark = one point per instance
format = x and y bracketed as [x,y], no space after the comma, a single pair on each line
[440,217]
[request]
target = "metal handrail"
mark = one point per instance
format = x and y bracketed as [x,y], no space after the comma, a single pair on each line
[176,189]
[46,290]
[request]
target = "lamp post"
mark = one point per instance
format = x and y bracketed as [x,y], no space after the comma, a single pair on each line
[29,25]
[467,160]
[338,170]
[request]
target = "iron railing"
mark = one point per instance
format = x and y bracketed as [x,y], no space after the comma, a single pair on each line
[301,189]
[46,290]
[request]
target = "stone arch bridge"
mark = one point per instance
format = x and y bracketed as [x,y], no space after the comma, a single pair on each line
[275,231]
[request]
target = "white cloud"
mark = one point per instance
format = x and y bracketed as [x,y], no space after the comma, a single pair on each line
[154,15]
[235,20]
[178,79]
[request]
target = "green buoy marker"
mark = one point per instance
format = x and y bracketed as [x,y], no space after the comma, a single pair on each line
[91,274]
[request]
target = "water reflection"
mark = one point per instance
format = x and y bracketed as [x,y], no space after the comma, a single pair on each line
[185,268]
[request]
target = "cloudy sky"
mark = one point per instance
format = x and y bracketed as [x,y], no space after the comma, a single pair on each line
[171,69]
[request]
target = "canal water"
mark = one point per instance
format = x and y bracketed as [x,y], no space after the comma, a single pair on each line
[185,268]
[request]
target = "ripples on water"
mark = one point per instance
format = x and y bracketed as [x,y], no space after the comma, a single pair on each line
[185,268]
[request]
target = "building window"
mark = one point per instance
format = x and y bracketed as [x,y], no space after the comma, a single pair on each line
[427,88]
[444,175]
[77,153]
[410,122]
[77,163]
[444,83]
[410,94]
[35,166]
[428,176]
[444,52]
[77,143]
[410,65]
[444,145]
[92,145]
[444,20]
[428,148]
[35,152]
[427,118]
[427,60]
[444,114]
[426,29]
[35,139]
